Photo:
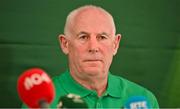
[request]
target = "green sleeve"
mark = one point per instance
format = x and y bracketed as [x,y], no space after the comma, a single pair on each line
[155,103]
[153,100]
[23,106]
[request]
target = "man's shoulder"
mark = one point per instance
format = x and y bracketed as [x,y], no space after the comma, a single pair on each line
[59,80]
[129,86]
[132,89]
[59,77]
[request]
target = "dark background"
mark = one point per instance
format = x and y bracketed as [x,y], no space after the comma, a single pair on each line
[149,51]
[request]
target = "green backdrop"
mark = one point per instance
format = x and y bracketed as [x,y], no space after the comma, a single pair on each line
[149,51]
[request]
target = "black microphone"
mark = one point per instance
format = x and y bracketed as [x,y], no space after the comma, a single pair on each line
[71,101]
[137,102]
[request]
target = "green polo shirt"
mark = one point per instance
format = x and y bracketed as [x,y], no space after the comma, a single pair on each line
[119,90]
[117,94]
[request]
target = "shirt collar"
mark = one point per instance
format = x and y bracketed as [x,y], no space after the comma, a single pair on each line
[114,88]
[71,86]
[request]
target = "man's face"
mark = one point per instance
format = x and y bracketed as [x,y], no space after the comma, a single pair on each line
[91,45]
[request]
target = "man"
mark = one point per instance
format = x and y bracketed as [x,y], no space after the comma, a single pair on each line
[90,43]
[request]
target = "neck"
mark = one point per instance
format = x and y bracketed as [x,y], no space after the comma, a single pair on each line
[97,84]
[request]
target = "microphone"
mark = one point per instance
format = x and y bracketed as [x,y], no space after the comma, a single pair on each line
[35,88]
[137,102]
[71,101]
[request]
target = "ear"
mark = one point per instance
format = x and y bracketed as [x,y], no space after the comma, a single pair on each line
[63,43]
[116,43]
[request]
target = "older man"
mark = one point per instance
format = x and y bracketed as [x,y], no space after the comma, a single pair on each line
[90,42]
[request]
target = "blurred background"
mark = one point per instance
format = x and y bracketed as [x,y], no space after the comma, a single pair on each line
[149,51]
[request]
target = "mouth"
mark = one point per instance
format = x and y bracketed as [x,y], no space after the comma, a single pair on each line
[93,60]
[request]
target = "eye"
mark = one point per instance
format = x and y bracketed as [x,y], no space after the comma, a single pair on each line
[83,36]
[102,37]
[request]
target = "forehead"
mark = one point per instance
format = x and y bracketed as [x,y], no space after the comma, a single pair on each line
[92,21]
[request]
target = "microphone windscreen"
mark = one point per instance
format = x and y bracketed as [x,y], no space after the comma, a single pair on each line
[137,102]
[34,86]
[71,101]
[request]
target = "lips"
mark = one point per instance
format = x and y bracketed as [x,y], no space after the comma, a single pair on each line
[92,60]
[96,58]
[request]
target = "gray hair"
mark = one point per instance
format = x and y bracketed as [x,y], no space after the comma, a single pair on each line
[73,13]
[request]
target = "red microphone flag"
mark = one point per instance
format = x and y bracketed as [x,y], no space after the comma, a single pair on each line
[35,86]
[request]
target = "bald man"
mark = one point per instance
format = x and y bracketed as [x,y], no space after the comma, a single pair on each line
[90,42]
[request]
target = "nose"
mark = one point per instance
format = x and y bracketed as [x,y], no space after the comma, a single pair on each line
[93,45]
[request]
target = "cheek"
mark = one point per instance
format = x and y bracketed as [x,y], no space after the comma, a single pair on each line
[76,51]
[108,49]
[108,53]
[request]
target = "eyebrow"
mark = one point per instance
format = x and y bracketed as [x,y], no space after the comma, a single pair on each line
[103,33]
[82,32]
